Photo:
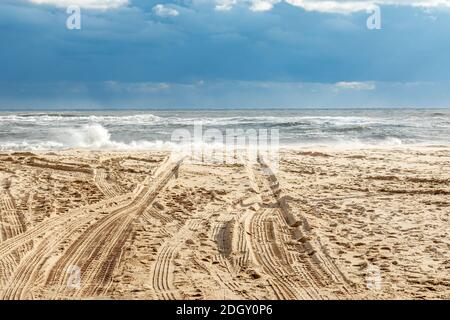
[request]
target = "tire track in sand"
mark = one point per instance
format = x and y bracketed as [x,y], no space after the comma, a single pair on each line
[46,236]
[222,233]
[12,221]
[104,236]
[49,237]
[12,224]
[97,252]
[319,270]
[101,180]
[269,229]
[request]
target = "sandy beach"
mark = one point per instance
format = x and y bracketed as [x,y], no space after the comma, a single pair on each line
[328,224]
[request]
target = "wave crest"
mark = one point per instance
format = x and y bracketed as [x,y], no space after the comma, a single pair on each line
[95,136]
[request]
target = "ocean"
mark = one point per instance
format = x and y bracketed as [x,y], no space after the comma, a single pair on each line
[153,129]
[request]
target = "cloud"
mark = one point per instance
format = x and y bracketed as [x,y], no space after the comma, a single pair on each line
[217,94]
[331,6]
[163,11]
[87,4]
[326,6]
[254,5]
[225,5]
[355,85]
[139,87]
[263,5]
[133,44]
[350,6]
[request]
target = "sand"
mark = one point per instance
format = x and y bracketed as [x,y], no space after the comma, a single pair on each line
[328,224]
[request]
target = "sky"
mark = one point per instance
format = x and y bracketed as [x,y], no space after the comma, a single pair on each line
[224,54]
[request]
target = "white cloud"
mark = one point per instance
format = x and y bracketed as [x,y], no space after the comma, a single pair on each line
[225,5]
[349,6]
[137,87]
[355,85]
[254,5]
[331,6]
[431,3]
[163,11]
[88,4]
[263,5]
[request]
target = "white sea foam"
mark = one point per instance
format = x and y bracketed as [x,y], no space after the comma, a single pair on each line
[151,119]
[136,130]
[30,145]
[95,136]
[144,119]
[52,118]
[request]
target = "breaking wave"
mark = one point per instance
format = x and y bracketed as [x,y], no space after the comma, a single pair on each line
[52,118]
[95,136]
[128,130]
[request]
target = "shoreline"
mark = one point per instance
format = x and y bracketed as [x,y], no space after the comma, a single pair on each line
[282,148]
